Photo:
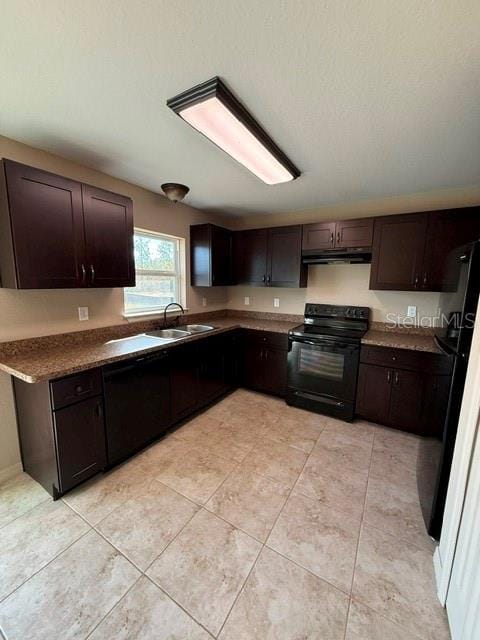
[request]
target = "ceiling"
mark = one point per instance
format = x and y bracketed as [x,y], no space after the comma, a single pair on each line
[368,98]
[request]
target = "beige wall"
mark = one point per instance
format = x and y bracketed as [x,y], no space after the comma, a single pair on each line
[342,284]
[34,313]
[429,201]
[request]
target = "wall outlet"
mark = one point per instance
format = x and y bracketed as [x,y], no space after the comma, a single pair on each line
[247,300]
[204,302]
[411,311]
[82,313]
[276,302]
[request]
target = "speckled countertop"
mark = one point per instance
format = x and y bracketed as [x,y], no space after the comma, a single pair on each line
[52,357]
[401,340]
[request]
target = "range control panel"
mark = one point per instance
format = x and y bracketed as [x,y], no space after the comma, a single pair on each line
[336,311]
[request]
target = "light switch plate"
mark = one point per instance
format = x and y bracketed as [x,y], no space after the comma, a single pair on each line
[82,313]
[204,302]
[276,302]
[411,311]
[247,300]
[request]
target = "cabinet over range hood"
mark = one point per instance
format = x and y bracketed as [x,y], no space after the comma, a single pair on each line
[338,256]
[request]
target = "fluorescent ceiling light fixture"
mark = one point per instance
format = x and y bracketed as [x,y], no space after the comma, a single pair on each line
[214,111]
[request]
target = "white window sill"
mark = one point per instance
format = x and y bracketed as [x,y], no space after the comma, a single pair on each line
[152,314]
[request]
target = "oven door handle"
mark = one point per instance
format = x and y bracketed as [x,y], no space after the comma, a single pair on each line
[325,343]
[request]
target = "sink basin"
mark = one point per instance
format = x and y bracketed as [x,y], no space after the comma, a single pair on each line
[169,334]
[197,328]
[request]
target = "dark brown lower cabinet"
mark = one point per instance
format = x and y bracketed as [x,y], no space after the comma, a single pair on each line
[62,430]
[373,392]
[211,369]
[80,438]
[184,387]
[411,395]
[264,361]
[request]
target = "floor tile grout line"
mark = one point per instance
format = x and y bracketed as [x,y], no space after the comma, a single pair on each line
[358,539]
[382,615]
[47,499]
[163,590]
[46,565]
[114,607]
[264,544]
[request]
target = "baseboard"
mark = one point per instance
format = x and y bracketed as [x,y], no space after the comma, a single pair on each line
[9,472]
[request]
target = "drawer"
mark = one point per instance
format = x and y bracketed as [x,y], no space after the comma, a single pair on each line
[406,359]
[71,389]
[267,338]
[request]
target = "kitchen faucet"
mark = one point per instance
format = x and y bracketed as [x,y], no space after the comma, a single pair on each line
[172,304]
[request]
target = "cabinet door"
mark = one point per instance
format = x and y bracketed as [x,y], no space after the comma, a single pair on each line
[447,230]
[184,397]
[285,268]
[397,253]
[253,366]
[211,378]
[373,392]
[80,441]
[320,235]
[275,371]
[221,244]
[109,238]
[46,220]
[406,404]
[250,257]
[353,234]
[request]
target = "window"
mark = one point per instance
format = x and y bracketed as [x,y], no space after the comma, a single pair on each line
[157,267]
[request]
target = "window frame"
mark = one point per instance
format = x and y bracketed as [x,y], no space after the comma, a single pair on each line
[177,274]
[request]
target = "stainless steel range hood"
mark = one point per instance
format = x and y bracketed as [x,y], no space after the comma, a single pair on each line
[338,256]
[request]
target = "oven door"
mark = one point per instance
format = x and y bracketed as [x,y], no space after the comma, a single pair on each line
[322,375]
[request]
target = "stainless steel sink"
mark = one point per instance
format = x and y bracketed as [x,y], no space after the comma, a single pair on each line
[196,328]
[169,334]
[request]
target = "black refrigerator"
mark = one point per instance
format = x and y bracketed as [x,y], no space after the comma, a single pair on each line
[435,456]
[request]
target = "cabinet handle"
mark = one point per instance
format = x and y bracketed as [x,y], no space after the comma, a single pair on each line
[338,237]
[99,410]
[425,279]
[264,278]
[268,279]
[84,274]
[266,354]
[396,377]
[389,376]
[92,273]
[415,284]
[331,238]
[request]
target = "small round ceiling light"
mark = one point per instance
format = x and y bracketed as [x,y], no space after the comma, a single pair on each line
[175,192]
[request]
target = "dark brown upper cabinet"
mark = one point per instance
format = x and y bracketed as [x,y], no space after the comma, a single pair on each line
[446,230]
[210,256]
[270,257]
[250,257]
[108,221]
[56,233]
[397,254]
[320,235]
[410,251]
[343,234]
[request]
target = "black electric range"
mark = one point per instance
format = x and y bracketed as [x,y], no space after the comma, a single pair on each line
[323,359]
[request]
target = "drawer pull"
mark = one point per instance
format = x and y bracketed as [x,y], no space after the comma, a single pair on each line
[79,389]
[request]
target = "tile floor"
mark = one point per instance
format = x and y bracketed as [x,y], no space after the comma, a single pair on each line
[252,521]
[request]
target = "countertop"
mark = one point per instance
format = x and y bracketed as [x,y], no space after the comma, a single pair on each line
[401,340]
[36,362]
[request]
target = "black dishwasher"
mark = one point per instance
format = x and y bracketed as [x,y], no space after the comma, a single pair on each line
[137,404]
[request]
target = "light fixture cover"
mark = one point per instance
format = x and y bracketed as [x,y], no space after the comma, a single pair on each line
[174,191]
[214,111]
